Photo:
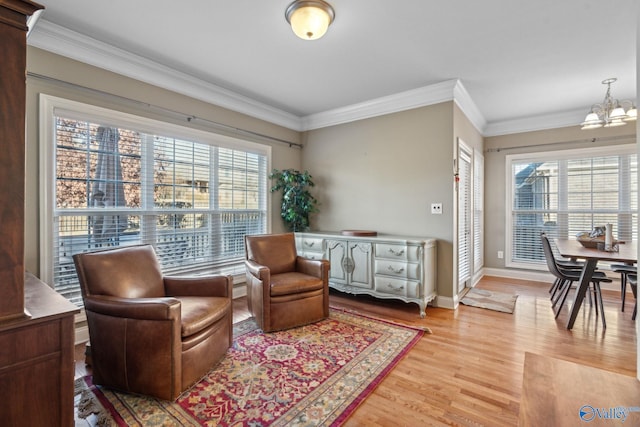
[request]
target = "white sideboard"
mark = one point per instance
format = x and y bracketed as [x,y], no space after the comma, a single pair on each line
[384,266]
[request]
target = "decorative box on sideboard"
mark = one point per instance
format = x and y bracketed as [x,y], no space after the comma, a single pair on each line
[383,266]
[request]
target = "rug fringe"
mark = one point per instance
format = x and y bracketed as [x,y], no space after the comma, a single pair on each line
[88,406]
[424,329]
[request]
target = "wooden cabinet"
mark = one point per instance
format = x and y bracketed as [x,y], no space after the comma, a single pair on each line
[36,324]
[36,360]
[383,266]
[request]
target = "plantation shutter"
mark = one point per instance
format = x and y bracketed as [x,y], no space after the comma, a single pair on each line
[478,211]
[464,218]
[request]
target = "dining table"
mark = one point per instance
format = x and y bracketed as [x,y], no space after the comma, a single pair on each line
[625,253]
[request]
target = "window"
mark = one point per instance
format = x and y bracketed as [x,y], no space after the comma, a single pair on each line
[112,179]
[567,192]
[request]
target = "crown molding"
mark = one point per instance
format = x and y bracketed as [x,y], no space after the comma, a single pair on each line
[448,90]
[541,122]
[62,41]
[464,101]
[427,95]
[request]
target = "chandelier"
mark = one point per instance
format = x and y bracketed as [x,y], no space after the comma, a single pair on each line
[309,19]
[610,112]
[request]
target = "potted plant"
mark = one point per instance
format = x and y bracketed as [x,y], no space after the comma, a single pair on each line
[297,202]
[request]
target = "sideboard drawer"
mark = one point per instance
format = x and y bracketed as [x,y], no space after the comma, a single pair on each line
[400,252]
[398,269]
[310,244]
[311,255]
[391,286]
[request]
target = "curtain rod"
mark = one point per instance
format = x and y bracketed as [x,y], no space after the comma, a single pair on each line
[188,117]
[591,140]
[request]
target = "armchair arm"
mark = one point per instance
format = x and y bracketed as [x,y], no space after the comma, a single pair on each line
[312,267]
[258,271]
[205,286]
[163,308]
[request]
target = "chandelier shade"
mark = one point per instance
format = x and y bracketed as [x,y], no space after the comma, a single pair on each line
[309,19]
[611,112]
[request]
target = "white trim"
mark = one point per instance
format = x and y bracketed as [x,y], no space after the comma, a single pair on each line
[464,101]
[62,41]
[545,278]
[47,189]
[529,124]
[427,95]
[535,276]
[445,302]
[448,90]
[82,334]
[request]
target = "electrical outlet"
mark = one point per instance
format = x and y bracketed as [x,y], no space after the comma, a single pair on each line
[436,208]
[500,254]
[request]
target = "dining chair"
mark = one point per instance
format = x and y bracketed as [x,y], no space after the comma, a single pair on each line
[566,278]
[625,270]
[571,264]
[633,283]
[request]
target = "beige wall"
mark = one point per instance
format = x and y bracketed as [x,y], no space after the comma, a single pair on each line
[528,142]
[383,173]
[47,64]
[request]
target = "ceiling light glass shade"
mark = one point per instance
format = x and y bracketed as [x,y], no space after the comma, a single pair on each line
[615,123]
[617,113]
[632,114]
[309,19]
[592,121]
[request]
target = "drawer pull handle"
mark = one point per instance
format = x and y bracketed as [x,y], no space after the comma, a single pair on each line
[395,288]
[309,244]
[395,270]
[396,253]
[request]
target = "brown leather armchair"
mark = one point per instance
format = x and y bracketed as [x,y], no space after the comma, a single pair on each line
[151,334]
[283,289]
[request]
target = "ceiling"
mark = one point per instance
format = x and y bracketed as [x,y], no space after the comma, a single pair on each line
[520,62]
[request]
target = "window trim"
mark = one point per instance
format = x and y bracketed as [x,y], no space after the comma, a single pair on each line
[602,151]
[50,106]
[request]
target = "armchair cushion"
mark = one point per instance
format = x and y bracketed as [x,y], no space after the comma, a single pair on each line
[294,283]
[199,313]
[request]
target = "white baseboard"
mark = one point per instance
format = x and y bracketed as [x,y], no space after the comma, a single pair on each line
[239,290]
[536,276]
[545,277]
[82,334]
[445,302]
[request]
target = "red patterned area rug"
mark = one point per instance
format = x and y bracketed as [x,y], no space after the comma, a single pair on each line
[307,376]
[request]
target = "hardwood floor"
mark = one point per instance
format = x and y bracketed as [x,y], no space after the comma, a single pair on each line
[469,371]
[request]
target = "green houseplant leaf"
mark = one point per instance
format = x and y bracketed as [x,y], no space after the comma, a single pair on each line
[297,201]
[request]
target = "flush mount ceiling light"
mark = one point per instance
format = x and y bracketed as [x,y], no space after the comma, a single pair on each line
[610,112]
[309,19]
